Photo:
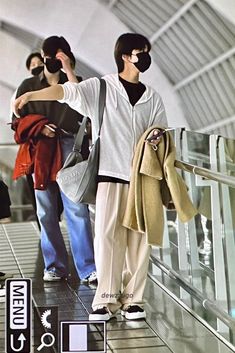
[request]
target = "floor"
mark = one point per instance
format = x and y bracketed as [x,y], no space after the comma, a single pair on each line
[168,327]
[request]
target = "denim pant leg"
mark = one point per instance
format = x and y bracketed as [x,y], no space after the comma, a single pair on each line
[79,227]
[52,242]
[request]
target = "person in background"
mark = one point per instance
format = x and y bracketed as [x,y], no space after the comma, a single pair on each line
[131,108]
[34,63]
[61,124]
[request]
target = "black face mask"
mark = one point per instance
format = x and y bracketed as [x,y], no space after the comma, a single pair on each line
[37,70]
[53,65]
[144,61]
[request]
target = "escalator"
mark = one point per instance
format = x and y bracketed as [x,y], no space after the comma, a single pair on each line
[190,293]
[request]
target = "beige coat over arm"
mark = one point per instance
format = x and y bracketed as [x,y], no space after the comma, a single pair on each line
[154,183]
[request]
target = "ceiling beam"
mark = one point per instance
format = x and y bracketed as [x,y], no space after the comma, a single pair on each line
[172,20]
[204,69]
[6,85]
[217,124]
[111,4]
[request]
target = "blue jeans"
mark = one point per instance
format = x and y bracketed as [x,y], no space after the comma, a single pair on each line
[78,225]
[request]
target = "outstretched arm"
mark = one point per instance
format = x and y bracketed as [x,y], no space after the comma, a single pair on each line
[46,94]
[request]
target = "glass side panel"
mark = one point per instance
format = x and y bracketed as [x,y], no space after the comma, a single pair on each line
[195,148]
[198,148]
[226,156]
[202,251]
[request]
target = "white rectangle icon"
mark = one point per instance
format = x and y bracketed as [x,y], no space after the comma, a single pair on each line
[18,304]
[78,338]
[81,336]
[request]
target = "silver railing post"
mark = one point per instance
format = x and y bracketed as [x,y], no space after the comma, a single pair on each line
[227,215]
[195,266]
[217,238]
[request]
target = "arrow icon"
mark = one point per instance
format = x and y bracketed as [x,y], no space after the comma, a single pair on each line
[21,338]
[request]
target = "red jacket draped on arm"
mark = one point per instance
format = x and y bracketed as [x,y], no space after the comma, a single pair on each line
[37,154]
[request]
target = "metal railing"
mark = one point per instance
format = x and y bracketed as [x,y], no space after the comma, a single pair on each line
[212,306]
[206,173]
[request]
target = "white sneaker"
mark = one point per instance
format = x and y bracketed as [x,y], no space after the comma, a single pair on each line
[50,276]
[102,314]
[134,312]
[2,292]
[90,279]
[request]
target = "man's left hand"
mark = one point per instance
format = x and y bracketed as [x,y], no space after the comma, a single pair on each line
[154,141]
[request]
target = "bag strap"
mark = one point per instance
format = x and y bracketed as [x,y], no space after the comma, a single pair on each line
[102,99]
[79,138]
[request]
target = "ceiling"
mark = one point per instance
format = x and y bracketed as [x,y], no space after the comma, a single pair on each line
[34,42]
[194,46]
[192,43]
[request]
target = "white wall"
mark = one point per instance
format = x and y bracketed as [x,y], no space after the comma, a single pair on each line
[90,28]
[12,72]
[225,8]
[13,55]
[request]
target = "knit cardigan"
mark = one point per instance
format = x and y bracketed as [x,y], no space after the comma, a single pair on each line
[154,183]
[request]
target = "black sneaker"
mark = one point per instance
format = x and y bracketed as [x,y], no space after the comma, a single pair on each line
[102,314]
[134,312]
[92,278]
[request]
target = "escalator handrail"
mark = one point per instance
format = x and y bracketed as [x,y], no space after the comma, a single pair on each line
[206,173]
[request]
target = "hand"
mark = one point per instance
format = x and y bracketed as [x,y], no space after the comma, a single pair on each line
[20,102]
[66,64]
[49,130]
[154,142]
[65,60]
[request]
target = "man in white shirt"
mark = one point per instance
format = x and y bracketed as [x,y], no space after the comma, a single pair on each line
[121,255]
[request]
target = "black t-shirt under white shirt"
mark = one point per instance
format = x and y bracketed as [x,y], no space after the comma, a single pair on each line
[133,90]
